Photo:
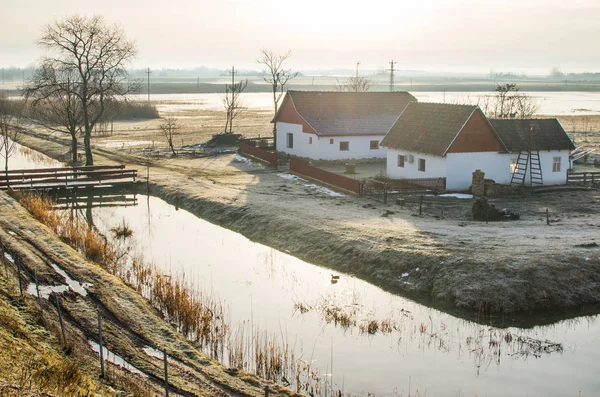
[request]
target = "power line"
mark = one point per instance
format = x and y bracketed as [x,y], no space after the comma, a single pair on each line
[149,83]
[392,70]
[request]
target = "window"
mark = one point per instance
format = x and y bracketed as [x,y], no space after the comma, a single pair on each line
[331,141]
[401,160]
[514,167]
[290,141]
[374,145]
[344,146]
[422,165]
[556,164]
[310,140]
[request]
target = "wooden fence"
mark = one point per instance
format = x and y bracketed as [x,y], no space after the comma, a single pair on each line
[381,189]
[68,177]
[269,157]
[583,178]
[302,168]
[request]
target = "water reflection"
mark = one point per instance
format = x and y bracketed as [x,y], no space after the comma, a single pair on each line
[351,336]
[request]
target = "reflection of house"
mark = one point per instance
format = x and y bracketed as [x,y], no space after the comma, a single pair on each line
[431,140]
[337,125]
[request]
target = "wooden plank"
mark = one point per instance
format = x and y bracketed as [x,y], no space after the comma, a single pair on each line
[82,168]
[74,176]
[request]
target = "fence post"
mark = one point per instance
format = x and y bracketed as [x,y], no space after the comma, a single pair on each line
[547,217]
[60,319]
[18,263]
[266,391]
[421,205]
[101,347]
[385,195]
[3,259]
[166,373]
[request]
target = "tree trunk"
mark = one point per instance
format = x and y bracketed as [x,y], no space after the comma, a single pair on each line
[87,142]
[73,149]
[275,124]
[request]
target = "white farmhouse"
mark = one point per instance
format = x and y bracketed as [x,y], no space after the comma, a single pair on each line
[337,125]
[432,140]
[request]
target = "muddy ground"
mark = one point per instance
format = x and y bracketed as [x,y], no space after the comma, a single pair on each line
[452,261]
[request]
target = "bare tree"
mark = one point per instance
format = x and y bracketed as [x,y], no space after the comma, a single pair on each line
[233,103]
[354,84]
[278,76]
[93,57]
[9,131]
[509,103]
[169,128]
[54,104]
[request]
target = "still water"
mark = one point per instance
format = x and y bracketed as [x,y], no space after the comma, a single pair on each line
[427,350]
[551,103]
[416,349]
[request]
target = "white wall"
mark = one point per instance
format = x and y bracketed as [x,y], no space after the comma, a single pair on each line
[322,149]
[496,166]
[359,148]
[435,166]
[462,165]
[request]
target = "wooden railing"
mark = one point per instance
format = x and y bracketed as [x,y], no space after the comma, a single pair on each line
[302,168]
[583,178]
[260,153]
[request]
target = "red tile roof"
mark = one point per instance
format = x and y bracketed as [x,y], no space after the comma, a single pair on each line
[536,134]
[428,127]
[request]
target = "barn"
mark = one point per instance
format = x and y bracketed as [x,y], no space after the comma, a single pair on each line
[432,140]
[337,125]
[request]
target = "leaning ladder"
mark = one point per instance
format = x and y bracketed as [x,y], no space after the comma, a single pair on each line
[528,159]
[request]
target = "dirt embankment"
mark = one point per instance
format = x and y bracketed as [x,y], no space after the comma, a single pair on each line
[451,261]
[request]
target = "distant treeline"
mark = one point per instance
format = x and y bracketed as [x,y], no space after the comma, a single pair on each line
[114,112]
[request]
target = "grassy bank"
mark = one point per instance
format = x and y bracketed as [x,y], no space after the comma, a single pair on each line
[491,276]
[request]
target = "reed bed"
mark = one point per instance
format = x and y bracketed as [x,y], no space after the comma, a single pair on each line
[198,316]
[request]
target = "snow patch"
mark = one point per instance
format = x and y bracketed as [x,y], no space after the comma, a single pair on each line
[317,188]
[404,275]
[12,233]
[241,159]
[152,352]
[457,195]
[116,359]
[76,286]
[9,257]
[46,290]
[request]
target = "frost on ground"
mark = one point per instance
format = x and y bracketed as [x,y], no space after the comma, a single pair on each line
[116,359]
[317,188]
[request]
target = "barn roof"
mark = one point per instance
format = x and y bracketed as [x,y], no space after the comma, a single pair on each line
[537,134]
[349,113]
[428,127]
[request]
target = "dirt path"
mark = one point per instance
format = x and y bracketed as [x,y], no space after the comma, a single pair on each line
[454,262]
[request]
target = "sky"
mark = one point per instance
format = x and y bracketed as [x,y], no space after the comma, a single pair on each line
[520,36]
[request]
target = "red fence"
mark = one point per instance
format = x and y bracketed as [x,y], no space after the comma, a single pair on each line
[302,168]
[269,157]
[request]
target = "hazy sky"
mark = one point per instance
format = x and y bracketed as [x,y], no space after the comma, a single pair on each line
[446,35]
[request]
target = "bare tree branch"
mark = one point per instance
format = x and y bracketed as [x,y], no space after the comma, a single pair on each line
[85,71]
[354,84]
[9,131]
[277,76]
[233,103]
[169,128]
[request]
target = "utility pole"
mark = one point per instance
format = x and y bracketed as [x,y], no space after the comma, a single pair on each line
[232,105]
[356,82]
[392,70]
[148,84]
[444,94]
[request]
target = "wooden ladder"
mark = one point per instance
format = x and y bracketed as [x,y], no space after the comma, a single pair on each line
[528,159]
[535,169]
[518,177]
